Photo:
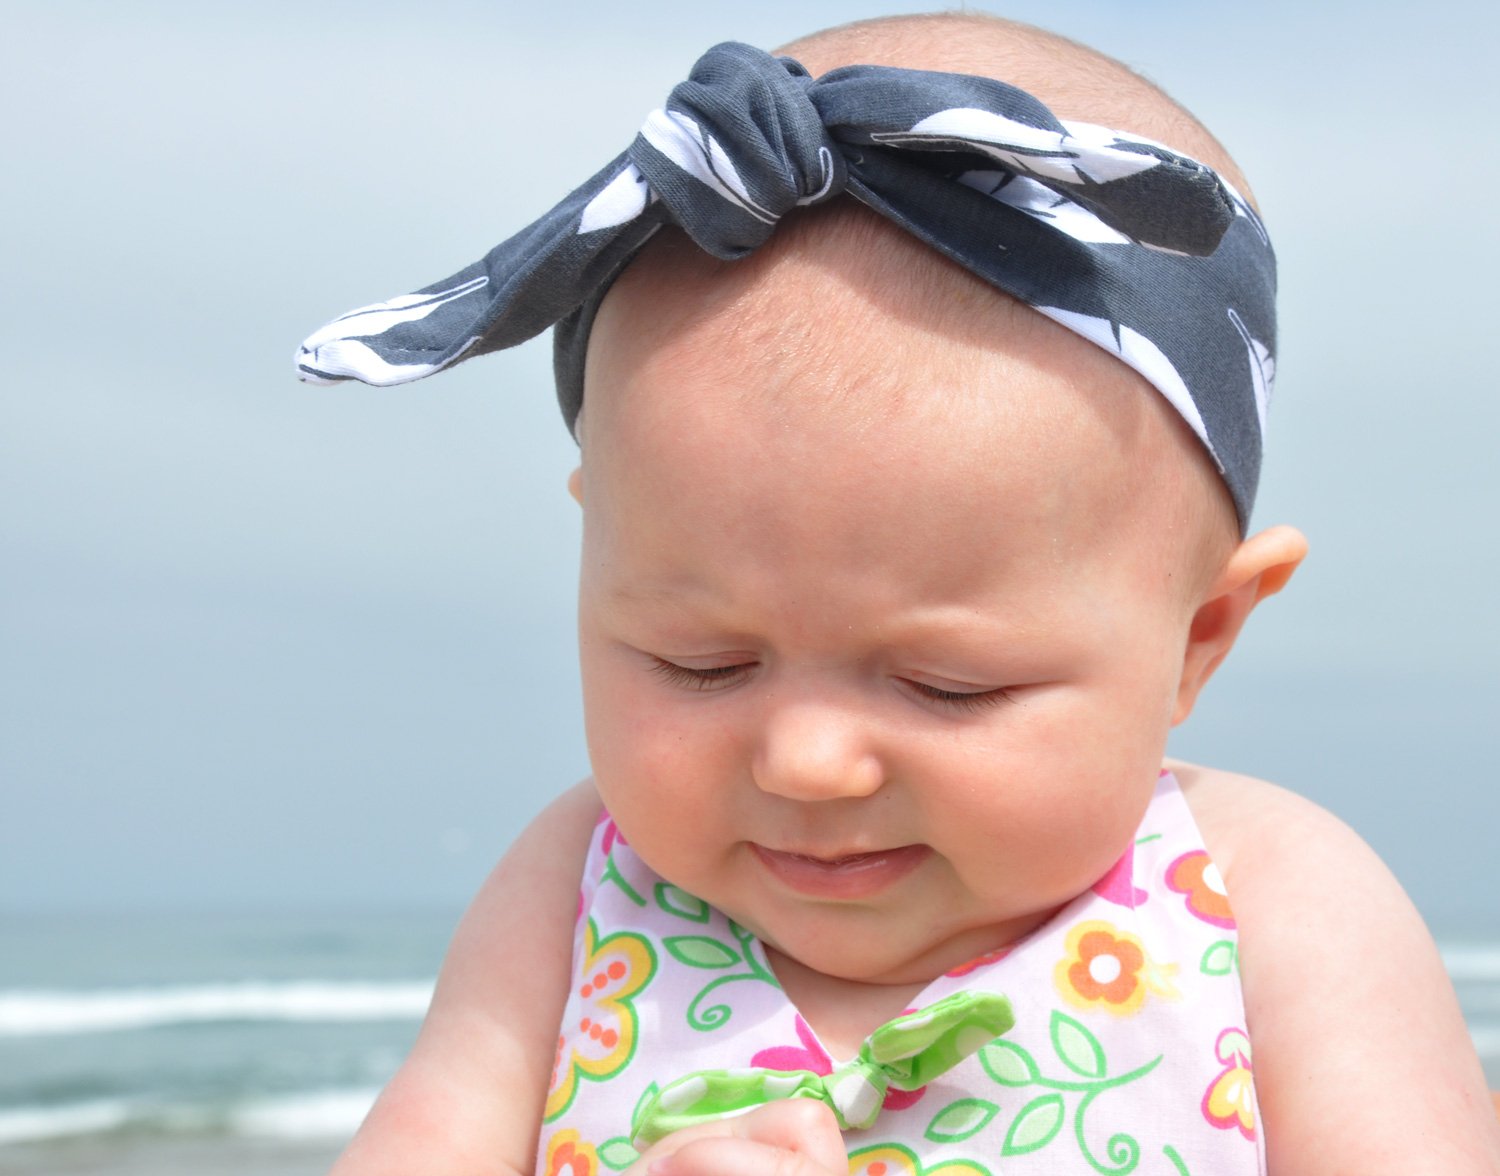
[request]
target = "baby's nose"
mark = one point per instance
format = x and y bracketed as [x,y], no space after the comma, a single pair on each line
[812,751]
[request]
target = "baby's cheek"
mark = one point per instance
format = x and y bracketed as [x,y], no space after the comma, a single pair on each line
[1051,830]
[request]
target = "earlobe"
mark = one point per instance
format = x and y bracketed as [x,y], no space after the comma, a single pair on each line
[1260,567]
[575,485]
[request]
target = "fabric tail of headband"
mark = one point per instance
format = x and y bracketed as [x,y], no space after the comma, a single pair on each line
[1141,250]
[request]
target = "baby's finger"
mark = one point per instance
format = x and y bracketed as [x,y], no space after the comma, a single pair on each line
[784,1129]
[796,1125]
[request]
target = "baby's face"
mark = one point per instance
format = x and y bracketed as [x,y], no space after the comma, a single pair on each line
[878,654]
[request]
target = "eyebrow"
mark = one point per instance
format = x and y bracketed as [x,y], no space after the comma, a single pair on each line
[925,626]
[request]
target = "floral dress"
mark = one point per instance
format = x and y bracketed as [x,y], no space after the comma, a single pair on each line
[1121,1043]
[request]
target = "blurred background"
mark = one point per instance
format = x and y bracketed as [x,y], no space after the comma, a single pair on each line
[284,669]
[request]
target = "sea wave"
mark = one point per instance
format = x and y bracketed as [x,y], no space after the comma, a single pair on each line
[308,1116]
[34,1124]
[26,1013]
[321,1114]
[1472,964]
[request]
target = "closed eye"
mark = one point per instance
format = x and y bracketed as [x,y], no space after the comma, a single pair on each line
[693,678]
[964,700]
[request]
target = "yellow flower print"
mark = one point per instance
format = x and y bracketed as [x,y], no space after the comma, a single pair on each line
[598,1036]
[892,1159]
[1229,1102]
[568,1155]
[1109,968]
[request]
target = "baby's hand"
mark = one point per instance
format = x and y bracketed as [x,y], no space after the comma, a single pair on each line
[791,1137]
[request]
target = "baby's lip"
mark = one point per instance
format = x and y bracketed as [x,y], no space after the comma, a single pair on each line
[841,875]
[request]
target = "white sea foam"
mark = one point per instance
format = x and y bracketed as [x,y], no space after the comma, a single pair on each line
[25,1013]
[33,1124]
[320,1114]
[306,1116]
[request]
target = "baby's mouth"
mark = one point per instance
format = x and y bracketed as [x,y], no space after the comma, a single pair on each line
[846,876]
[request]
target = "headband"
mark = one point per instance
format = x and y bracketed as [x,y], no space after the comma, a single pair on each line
[1143,251]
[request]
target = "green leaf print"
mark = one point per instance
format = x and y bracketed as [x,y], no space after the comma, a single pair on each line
[1034,1127]
[959,1120]
[640,1105]
[699,951]
[1079,1049]
[676,901]
[1008,1064]
[1220,959]
[617,1153]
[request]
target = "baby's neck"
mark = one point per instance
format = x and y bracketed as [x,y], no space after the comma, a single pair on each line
[841,1013]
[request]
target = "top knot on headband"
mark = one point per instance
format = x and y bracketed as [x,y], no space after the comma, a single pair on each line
[1139,249]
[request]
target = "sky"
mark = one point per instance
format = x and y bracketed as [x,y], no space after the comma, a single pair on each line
[270,646]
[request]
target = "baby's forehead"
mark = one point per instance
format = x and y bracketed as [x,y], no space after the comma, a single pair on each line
[839,311]
[846,329]
[839,298]
[845,353]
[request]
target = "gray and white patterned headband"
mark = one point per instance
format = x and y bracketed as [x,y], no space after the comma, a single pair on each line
[1141,250]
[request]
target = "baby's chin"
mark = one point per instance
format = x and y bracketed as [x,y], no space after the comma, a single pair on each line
[862,946]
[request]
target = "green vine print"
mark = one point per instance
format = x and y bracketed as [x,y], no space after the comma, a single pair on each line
[612,874]
[1041,1120]
[703,951]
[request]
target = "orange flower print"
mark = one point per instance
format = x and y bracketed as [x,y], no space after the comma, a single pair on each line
[1108,968]
[894,1159]
[568,1155]
[599,1027]
[1195,875]
[1229,1101]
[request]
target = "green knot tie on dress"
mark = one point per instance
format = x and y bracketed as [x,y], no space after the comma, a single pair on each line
[906,1053]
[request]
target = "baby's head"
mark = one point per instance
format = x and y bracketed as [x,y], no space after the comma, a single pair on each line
[888,578]
[879,561]
[836,284]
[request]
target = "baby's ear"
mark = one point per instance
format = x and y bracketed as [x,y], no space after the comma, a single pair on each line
[1259,567]
[575,485]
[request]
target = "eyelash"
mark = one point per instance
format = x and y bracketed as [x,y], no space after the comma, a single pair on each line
[958,699]
[715,676]
[706,679]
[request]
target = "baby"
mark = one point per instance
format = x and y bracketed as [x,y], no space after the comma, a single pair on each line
[892,589]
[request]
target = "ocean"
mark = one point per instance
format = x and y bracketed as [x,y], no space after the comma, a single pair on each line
[254,1044]
[207,1044]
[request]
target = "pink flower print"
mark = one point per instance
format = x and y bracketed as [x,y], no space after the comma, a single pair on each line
[813,1058]
[1229,1101]
[899,1100]
[1118,885]
[612,833]
[1195,876]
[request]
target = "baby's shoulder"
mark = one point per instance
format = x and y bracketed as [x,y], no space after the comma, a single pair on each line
[1280,853]
[1250,826]
[1352,1015]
